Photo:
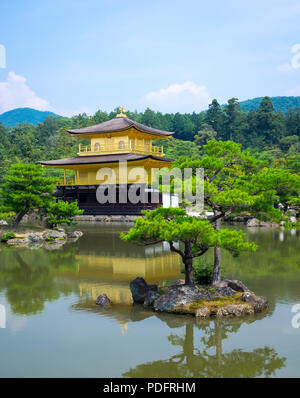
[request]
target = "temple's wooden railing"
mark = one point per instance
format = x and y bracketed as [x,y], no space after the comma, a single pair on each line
[117,148]
[66,181]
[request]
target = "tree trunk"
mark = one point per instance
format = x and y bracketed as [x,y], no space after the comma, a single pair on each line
[188,262]
[217,266]
[18,219]
[217,262]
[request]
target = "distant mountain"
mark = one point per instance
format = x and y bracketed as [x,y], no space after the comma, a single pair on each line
[21,115]
[279,103]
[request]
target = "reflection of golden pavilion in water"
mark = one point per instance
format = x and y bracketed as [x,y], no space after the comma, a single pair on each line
[111,274]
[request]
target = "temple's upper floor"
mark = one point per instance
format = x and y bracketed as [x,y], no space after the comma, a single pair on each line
[120,135]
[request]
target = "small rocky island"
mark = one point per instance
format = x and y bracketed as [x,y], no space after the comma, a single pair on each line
[230,297]
[54,238]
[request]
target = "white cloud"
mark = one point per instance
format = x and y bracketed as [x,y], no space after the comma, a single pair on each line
[185,97]
[15,93]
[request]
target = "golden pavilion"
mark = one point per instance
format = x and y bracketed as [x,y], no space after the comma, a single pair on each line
[114,142]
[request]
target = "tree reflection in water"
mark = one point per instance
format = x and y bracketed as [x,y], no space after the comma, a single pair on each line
[191,361]
[28,278]
[210,361]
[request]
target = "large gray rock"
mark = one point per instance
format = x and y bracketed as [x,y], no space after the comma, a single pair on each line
[17,241]
[224,291]
[253,222]
[139,289]
[151,296]
[176,296]
[202,312]
[235,310]
[103,300]
[54,234]
[3,222]
[238,286]
[186,299]
[293,219]
[74,234]
[232,284]
[259,302]
[35,238]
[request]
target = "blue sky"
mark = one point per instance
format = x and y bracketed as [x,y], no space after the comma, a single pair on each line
[72,56]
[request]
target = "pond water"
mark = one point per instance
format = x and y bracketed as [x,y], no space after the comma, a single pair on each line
[54,329]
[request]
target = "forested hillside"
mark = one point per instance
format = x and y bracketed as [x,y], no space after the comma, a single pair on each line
[22,115]
[280,103]
[273,136]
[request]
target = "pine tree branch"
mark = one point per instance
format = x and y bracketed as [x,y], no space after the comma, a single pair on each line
[173,249]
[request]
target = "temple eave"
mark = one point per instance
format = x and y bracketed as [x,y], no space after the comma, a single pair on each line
[101,160]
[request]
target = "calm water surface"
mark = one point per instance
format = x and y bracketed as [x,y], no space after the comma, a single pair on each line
[54,329]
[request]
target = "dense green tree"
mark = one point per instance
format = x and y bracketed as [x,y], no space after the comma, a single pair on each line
[236,181]
[205,134]
[196,236]
[150,118]
[100,117]
[215,117]
[184,128]
[268,125]
[293,164]
[61,144]
[175,148]
[3,136]
[26,188]
[62,213]
[250,137]
[198,119]
[48,128]
[292,121]
[286,142]
[232,110]
[294,149]
[22,142]
[4,145]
